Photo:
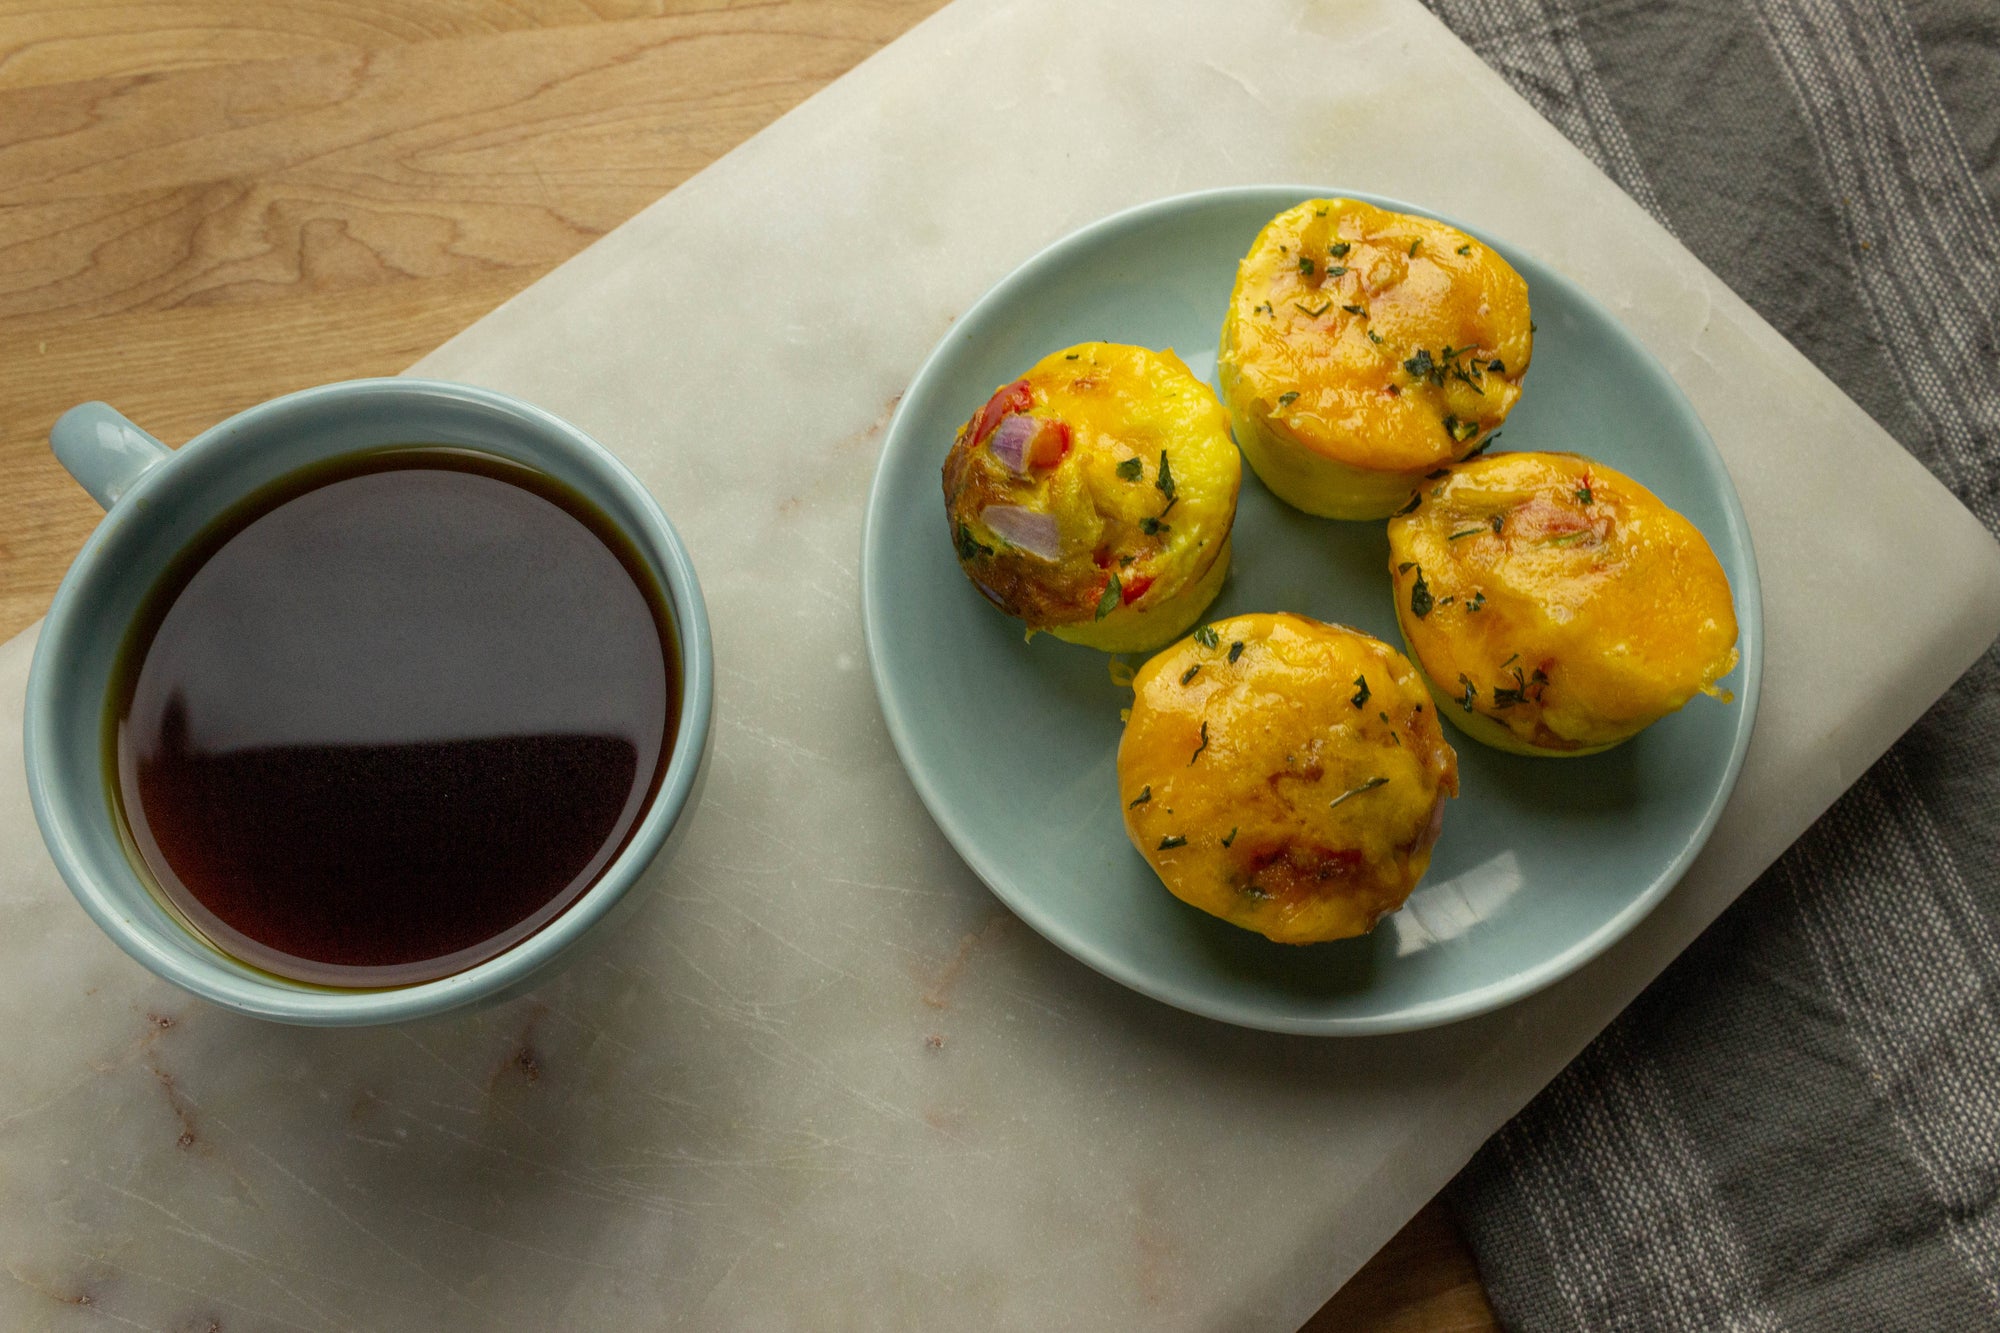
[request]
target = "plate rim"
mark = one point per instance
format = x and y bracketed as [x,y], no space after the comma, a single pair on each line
[1460,1005]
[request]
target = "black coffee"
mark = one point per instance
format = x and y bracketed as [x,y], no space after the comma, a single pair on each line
[393,715]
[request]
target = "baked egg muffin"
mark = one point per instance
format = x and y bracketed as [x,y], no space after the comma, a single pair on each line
[1285,775]
[1092,498]
[1557,607]
[1363,348]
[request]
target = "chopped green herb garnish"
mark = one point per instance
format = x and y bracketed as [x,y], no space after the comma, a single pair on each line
[1171,841]
[1533,327]
[1478,600]
[1465,249]
[1324,306]
[1231,838]
[1305,265]
[1339,249]
[1406,566]
[1132,469]
[1446,363]
[1370,785]
[1235,650]
[1189,674]
[1203,746]
[1145,795]
[1263,309]
[969,546]
[1566,539]
[1497,366]
[1460,431]
[1493,521]
[1360,692]
[1335,270]
[1109,601]
[1152,527]
[1510,661]
[1355,310]
[1165,481]
[1466,532]
[1420,596]
[1505,696]
[1413,246]
[1583,495]
[1205,636]
[1374,337]
[1287,399]
[1471,692]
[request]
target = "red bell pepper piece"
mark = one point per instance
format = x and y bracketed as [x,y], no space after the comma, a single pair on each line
[1007,400]
[1050,445]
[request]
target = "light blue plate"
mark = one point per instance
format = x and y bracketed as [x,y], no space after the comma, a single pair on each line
[1011,744]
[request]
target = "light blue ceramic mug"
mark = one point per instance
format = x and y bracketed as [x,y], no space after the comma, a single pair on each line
[158,500]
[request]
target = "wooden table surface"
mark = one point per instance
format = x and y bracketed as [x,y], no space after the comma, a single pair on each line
[204,203]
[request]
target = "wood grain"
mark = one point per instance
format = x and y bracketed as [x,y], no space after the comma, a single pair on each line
[203,204]
[1422,1281]
[185,242]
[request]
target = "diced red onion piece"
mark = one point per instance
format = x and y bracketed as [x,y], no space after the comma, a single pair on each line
[1009,442]
[1033,532]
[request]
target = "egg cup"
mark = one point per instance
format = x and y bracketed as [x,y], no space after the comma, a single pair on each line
[1556,606]
[1285,775]
[1364,348]
[1093,497]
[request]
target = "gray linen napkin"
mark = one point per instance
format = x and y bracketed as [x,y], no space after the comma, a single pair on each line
[1798,1125]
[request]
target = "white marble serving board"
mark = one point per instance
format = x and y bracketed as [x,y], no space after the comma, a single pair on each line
[822,1079]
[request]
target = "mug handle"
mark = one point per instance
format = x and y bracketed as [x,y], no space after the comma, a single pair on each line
[103,451]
